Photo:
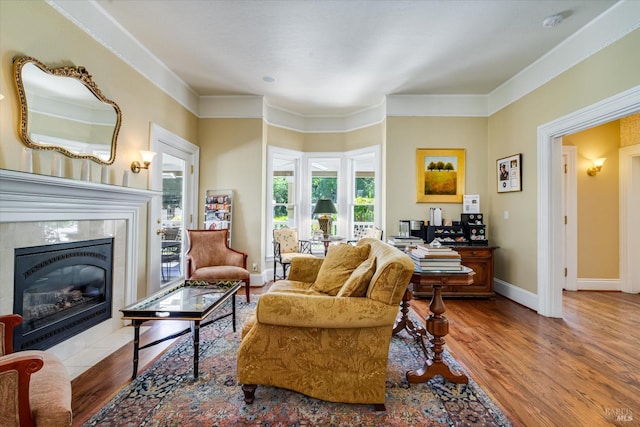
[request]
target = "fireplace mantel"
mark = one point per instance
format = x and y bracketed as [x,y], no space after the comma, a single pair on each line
[19,190]
[32,197]
[32,206]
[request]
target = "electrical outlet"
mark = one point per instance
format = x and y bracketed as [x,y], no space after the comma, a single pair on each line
[255,267]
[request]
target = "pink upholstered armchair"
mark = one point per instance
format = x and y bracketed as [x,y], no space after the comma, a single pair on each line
[210,258]
[34,384]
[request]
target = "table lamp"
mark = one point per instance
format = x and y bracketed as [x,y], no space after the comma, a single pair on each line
[324,208]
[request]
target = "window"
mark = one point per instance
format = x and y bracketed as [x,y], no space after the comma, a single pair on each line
[365,187]
[282,192]
[297,180]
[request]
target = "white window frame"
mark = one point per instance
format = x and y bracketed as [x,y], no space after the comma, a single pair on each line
[353,156]
[295,157]
[302,178]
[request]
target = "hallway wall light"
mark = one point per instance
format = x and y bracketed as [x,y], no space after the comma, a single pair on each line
[597,166]
[147,156]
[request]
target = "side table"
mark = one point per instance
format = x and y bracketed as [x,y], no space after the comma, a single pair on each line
[437,324]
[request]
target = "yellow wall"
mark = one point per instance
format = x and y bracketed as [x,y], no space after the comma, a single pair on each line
[32,28]
[284,138]
[514,130]
[231,158]
[404,136]
[597,201]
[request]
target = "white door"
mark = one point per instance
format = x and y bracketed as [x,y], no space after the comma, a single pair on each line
[174,173]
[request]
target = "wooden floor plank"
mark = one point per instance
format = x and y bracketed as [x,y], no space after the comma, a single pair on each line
[576,371]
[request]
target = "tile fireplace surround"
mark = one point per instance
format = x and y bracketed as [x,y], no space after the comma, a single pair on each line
[39,210]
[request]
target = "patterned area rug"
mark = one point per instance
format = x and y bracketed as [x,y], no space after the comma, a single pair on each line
[166,393]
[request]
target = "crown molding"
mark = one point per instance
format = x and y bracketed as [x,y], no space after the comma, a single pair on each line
[279,117]
[97,23]
[610,26]
[230,106]
[437,105]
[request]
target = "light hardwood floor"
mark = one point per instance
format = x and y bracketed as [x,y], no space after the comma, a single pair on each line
[581,370]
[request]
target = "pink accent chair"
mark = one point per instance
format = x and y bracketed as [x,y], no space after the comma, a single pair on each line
[210,258]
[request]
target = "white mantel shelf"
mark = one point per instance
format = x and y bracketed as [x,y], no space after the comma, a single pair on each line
[20,191]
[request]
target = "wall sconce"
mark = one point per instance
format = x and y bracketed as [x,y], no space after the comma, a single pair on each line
[147,156]
[597,166]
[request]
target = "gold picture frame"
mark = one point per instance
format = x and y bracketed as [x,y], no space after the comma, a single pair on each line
[440,175]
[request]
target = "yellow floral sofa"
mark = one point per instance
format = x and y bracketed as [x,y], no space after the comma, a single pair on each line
[325,331]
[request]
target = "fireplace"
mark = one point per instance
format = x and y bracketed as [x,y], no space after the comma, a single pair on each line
[61,290]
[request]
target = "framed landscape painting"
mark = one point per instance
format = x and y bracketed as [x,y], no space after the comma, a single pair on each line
[439,175]
[509,172]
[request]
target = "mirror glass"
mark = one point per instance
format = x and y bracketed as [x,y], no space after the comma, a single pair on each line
[62,109]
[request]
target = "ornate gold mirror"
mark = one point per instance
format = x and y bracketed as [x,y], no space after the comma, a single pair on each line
[62,109]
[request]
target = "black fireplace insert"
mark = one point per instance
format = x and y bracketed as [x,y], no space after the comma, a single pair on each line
[61,290]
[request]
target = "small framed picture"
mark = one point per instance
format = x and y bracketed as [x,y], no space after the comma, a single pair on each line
[509,173]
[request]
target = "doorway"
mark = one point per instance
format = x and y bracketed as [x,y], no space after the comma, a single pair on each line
[175,210]
[550,204]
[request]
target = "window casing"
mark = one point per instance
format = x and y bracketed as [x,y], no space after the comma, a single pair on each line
[352,180]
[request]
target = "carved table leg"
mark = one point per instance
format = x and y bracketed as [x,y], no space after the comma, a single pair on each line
[403,321]
[249,391]
[438,327]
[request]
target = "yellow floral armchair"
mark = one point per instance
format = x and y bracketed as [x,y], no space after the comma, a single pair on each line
[324,336]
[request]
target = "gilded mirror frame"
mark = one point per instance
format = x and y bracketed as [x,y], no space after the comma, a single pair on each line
[77,73]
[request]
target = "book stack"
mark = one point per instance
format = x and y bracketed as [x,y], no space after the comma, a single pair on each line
[405,242]
[435,258]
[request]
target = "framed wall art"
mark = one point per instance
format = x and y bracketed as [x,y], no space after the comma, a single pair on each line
[439,175]
[509,173]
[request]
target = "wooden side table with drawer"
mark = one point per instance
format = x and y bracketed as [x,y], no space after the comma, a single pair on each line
[477,258]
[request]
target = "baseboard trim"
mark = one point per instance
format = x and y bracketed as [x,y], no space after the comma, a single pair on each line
[257,280]
[599,284]
[514,293]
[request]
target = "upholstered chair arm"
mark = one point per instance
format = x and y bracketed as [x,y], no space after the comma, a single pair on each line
[8,322]
[191,265]
[317,311]
[305,269]
[236,258]
[17,370]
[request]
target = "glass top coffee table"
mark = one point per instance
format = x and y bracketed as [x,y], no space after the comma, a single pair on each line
[192,300]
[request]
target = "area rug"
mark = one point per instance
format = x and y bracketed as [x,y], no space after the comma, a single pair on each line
[166,394]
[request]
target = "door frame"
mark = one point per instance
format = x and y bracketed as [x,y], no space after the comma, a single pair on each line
[549,156]
[570,201]
[629,176]
[162,140]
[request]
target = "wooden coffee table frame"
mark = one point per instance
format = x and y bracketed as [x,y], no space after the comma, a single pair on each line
[147,309]
[437,324]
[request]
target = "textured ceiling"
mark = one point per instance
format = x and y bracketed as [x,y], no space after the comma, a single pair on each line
[338,57]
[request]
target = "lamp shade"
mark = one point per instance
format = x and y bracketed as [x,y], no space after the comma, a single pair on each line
[324,206]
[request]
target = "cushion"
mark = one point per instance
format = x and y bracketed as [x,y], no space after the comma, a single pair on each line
[356,285]
[288,239]
[340,262]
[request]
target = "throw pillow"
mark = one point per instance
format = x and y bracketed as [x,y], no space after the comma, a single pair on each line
[357,284]
[340,262]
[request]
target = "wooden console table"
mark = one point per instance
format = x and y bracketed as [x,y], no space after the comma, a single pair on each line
[480,260]
[437,324]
